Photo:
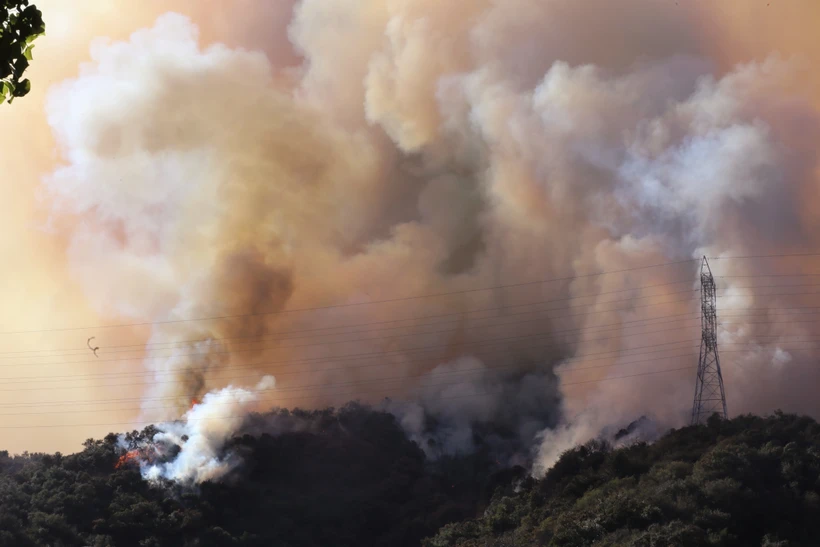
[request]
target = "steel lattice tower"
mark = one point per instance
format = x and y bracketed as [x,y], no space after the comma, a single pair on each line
[709,394]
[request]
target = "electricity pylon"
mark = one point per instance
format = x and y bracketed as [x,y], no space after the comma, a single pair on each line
[709,394]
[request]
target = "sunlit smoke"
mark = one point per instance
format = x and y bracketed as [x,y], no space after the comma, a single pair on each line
[437,148]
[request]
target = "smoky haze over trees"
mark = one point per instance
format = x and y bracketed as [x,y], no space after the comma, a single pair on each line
[351,477]
[749,481]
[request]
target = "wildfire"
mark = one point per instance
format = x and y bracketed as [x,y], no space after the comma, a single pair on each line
[146,454]
[194,402]
[131,456]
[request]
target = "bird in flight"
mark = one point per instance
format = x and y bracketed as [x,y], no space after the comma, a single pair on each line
[94,349]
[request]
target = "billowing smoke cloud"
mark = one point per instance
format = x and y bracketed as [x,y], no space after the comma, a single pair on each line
[437,148]
[201,434]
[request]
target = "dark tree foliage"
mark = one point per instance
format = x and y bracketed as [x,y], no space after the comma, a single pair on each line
[347,477]
[746,482]
[20,25]
[350,477]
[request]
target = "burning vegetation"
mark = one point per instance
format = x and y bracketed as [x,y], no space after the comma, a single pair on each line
[145,455]
[138,449]
[130,457]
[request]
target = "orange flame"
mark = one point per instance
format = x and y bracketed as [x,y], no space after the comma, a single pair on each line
[129,457]
[194,402]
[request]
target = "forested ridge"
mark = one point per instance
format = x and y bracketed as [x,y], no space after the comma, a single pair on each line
[346,477]
[749,481]
[354,479]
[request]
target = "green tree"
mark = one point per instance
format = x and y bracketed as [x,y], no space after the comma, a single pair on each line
[731,483]
[20,25]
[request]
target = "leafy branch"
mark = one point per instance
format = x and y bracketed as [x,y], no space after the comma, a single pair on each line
[20,25]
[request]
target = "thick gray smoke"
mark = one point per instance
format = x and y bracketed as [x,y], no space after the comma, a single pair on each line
[436,148]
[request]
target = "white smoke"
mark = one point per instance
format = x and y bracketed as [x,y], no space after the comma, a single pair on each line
[202,433]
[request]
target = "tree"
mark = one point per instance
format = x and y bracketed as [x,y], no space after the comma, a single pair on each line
[730,483]
[20,25]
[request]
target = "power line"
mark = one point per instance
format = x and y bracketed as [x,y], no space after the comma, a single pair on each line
[272,336]
[537,346]
[460,314]
[245,350]
[331,359]
[449,397]
[352,304]
[481,369]
[762,256]
[171,372]
[766,311]
[620,324]
[766,275]
[456,321]
[779,322]
[777,294]
[349,368]
[417,318]
[399,378]
[406,298]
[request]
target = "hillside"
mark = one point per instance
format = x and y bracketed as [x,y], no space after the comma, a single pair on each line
[350,477]
[747,482]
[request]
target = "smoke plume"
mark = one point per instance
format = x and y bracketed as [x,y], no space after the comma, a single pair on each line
[201,434]
[438,148]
